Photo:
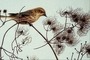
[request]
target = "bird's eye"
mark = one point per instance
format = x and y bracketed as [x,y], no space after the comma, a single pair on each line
[40,11]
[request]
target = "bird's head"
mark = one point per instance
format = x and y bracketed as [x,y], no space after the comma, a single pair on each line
[40,11]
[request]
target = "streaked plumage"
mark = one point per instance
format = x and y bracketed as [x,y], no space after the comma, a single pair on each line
[29,15]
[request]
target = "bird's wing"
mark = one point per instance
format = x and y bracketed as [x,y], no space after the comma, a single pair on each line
[13,14]
[22,14]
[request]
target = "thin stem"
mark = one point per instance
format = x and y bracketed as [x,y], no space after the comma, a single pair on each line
[50,40]
[72,56]
[82,56]
[0,54]
[46,41]
[15,34]
[28,58]
[6,16]
[47,34]
[41,46]
[78,56]
[4,38]
[65,22]
[6,53]
[67,58]
[0,17]
[14,40]
[5,22]
[21,9]
[79,52]
[6,33]
[12,55]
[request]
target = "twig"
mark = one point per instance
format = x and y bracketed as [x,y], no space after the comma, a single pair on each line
[14,56]
[46,41]
[13,42]
[41,46]
[4,38]
[28,58]
[72,56]
[47,34]
[79,52]
[0,53]
[82,56]
[0,17]
[5,22]
[65,22]
[67,58]
[6,33]
[15,35]
[6,16]
[50,40]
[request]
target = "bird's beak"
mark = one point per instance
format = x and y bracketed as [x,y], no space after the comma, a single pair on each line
[45,15]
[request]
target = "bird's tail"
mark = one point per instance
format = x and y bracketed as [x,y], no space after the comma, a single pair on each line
[2,16]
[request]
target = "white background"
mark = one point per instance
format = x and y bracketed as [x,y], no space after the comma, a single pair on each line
[51,6]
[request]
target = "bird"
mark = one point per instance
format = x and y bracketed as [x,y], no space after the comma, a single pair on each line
[29,16]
